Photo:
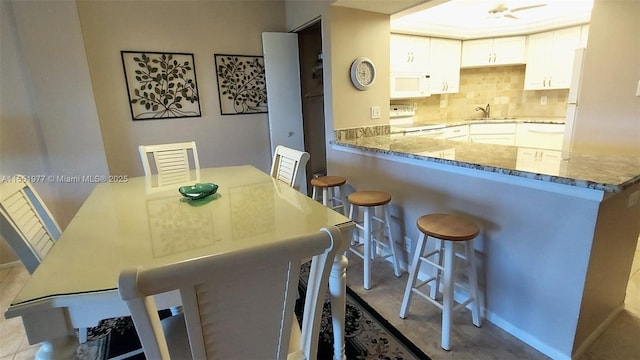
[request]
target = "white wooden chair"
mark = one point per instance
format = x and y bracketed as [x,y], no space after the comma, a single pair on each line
[172,164]
[286,164]
[27,225]
[237,305]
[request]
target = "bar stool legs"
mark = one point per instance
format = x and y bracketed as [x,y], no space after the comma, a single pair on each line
[446,230]
[368,201]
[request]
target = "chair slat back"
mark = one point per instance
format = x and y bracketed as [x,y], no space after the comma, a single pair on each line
[287,163]
[28,226]
[236,305]
[172,164]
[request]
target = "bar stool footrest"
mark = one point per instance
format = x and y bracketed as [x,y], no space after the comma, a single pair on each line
[428,298]
[436,265]
[356,252]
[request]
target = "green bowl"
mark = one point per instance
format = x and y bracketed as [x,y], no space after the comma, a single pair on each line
[198,191]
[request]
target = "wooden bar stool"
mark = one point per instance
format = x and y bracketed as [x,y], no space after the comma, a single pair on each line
[369,200]
[331,191]
[446,230]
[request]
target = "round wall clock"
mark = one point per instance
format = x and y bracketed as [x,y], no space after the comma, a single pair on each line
[363,73]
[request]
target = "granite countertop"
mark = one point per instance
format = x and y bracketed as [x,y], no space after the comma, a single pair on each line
[606,173]
[496,120]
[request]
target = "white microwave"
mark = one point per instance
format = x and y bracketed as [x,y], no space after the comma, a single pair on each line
[409,85]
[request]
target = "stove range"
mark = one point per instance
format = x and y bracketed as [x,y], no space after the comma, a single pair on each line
[401,122]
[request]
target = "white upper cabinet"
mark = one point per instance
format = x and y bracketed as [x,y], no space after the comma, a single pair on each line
[409,54]
[444,65]
[493,52]
[439,59]
[550,59]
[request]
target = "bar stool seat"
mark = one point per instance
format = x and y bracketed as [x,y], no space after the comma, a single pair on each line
[331,186]
[369,200]
[446,230]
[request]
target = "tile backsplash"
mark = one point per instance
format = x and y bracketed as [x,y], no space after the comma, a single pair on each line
[501,87]
[361,132]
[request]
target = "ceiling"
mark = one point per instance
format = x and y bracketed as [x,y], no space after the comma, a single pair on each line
[467,19]
[379,6]
[470,19]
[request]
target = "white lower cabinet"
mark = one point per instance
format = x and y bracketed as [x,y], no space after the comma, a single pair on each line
[498,139]
[539,160]
[456,133]
[541,136]
[500,134]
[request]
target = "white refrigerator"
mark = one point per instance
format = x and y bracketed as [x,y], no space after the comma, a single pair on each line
[572,100]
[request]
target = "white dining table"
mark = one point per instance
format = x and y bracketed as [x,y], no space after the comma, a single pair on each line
[121,225]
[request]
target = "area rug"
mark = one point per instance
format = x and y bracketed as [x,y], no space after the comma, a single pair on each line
[368,335]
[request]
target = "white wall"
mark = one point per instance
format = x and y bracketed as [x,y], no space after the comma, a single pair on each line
[609,112]
[203,28]
[356,33]
[49,120]
[20,142]
[300,13]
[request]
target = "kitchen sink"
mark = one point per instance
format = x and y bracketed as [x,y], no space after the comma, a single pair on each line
[491,119]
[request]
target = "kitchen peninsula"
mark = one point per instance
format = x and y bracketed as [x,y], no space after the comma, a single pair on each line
[556,243]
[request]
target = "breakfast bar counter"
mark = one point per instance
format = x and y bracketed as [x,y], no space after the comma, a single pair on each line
[558,230]
[606,173]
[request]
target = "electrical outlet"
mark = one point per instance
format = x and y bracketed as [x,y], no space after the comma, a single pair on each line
[443,103]
[638,89]
[375,112]
[543,100]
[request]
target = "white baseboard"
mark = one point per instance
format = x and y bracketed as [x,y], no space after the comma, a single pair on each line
[526,337]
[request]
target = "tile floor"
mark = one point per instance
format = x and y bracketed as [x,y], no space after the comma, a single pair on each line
[619,342]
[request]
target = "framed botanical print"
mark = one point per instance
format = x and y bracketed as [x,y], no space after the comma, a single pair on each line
[241,84]
[161,85]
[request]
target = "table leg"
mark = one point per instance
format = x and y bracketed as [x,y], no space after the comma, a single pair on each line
[53,329]
[58,349]
[337,291]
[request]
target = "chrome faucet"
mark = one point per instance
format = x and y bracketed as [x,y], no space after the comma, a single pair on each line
[486,111]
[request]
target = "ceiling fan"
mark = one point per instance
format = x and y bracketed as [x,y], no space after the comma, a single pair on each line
[502,10]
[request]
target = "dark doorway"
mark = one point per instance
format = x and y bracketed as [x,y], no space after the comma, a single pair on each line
[310,52]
